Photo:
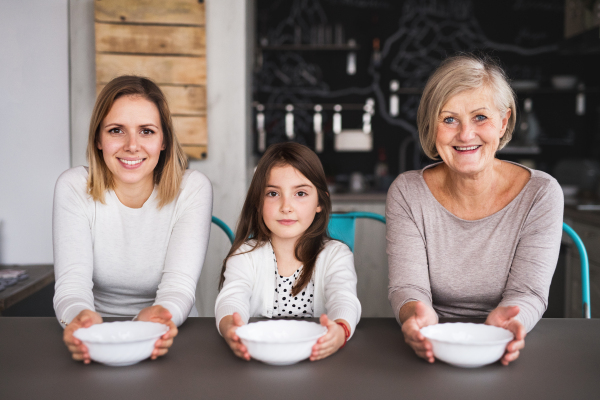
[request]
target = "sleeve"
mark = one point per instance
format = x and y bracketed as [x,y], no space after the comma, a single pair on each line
[73,249]
[535,258]
[237,289]
[186,250]
[339,285]
[407,253]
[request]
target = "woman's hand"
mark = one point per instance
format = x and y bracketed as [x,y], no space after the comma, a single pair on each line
[504,317]
[331,341]
[228,326]
[163,316]
[414,316]
[84,319]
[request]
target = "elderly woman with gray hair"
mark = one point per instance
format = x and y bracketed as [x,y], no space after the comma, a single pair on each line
[471,236]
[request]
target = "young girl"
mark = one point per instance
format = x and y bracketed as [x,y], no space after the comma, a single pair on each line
[289,268]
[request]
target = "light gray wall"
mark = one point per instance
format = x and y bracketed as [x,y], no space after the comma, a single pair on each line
[34,137]
[82,62]
[228,39]
[228,33]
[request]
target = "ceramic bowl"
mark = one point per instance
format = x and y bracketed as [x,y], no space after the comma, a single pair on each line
[121,343]
[280,342]
[467,345]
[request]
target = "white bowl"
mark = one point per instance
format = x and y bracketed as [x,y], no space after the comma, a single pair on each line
[280,342]
[121,343]
[467,345]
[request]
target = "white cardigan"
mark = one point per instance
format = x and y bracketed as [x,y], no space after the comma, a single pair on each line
[249,286]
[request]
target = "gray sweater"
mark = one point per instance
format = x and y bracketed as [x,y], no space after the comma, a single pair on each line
[467,268]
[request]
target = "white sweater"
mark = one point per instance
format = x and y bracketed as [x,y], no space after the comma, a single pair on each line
[249,286]
[117,260]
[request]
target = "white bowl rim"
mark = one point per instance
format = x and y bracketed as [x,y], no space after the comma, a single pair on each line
[83,331]
[489,343]
[271,322]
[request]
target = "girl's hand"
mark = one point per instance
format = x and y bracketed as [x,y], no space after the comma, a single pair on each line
[228,326]
[84,319]
[416,315]
[504,317]
[163,316]
[331,341]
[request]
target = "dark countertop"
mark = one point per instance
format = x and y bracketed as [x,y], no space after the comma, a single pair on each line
[39,276]
[561,360]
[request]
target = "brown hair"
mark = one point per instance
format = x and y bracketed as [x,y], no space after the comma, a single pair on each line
[172,162]
[455,75]
[251,224]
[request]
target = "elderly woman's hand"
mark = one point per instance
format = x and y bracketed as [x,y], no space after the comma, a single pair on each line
[414,316]
[161,315]
[84,319]
[504,317]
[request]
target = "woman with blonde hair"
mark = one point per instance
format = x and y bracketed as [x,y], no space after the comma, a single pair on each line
[471,236]
[130,231]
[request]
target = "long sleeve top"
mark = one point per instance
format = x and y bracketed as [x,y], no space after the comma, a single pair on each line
[249,286]
[117,260]
[467,268]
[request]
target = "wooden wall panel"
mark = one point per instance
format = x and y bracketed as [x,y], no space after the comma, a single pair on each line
[186,100]
[150,39]
[198,152]
[163,40]
[190,130]
[183,12]
[183,100]
[161,69]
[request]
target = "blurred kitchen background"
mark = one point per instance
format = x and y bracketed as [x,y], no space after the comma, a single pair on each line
[343,77]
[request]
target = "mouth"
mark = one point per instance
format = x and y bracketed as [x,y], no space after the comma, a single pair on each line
[465,149]
[286,221]
[130,164]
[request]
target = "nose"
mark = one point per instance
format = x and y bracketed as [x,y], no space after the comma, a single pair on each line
[131,143]
[467,131]
[286,205]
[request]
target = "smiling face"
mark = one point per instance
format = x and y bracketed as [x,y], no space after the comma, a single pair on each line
[290,203]
[131,140]
[469,129]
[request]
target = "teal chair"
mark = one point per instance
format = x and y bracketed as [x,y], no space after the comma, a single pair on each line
[585,270]
[225,228]
[342,226]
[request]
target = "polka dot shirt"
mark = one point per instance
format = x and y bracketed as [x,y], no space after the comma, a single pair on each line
[287,306]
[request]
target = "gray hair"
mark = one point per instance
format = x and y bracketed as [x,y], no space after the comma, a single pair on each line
[455,75]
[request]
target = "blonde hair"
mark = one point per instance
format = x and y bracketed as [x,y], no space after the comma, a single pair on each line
[455,75]
[172,162]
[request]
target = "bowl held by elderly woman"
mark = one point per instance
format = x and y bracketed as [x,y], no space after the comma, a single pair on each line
[121,343]
[467,345]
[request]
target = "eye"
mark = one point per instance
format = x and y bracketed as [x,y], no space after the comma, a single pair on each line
[302,194]
[115,130]
[147,131]
[271,194]
[449,120]
[480,118]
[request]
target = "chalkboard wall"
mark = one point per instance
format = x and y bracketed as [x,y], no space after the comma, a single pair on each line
[302,53]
